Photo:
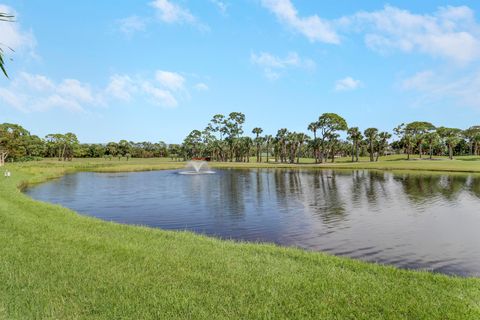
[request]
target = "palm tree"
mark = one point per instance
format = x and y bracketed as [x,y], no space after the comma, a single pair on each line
[451,137]
[406,137]
[471,134]
[431,138]
[371,135]
[355,136]
[313,127]
[4,17]
[418,129]
[333,143]
[268,140]
[257,131]
[301,139]
[382,143]
[281,138]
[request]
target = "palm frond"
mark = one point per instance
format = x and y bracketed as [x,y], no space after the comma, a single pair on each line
[9,18]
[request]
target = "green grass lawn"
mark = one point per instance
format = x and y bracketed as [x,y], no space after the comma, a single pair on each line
[57,264]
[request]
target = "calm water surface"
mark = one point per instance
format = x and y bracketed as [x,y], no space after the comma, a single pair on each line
[428,221]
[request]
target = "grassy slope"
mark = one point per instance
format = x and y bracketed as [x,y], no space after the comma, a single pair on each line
[57,264]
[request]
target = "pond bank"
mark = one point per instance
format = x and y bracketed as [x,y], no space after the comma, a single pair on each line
[58,264]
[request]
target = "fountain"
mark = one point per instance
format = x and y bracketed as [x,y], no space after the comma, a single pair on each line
[197,167]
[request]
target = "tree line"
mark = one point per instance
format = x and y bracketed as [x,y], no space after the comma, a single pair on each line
[224,139]
[18,144]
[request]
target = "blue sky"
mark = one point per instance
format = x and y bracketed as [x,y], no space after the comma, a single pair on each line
[153,70]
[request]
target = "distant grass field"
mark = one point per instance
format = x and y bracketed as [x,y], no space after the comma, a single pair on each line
[56,264]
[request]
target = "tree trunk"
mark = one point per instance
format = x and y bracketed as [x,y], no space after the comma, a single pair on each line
[3,157]
[322,151]
[430,152]
[420,150]
[357,151]
[353,151]
[450,152]
[371,152]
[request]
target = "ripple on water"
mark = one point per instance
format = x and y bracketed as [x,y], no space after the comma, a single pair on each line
[417,221]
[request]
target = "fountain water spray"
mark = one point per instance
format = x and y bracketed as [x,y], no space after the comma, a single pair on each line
[197,167]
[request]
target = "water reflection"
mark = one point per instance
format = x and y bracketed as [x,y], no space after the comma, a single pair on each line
[412,220]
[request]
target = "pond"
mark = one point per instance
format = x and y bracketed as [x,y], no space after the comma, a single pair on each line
[410,220]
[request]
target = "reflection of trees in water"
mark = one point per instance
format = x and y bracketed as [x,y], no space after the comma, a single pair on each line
[325,197]
[232,188]
[375,183]
[451,185]
[371,185]
[223,193]
[474,185]
[422,187]
[315,190]
[329,195]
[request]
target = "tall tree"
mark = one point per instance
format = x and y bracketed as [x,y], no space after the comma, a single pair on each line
[382,143]
[371,135]
[406,138]
[258,141]
[451,137]
[418,130]
[302,138]
[193,144]
[313,126]
[328,124]
[472,134]
[334,143]
[431,139]
[268,141]
[282,143]
[234,129]
[14,141]
[355,136]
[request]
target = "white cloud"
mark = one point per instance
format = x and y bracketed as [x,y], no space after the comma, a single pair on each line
[201,86]
[221,5]
[159,96]
[273,65]
[56,101]
[170,80]
[37,82]
[434,87]
[121,87]
[169,12]
[312,27]
[13,99]
[33,92]
[419,81]
[13,36]
[450,32]
[347,84]
[132,24]
[165,89]
[75,90]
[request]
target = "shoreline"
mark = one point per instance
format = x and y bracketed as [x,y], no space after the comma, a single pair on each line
[425,294]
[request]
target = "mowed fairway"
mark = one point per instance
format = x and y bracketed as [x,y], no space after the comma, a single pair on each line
[56,264]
